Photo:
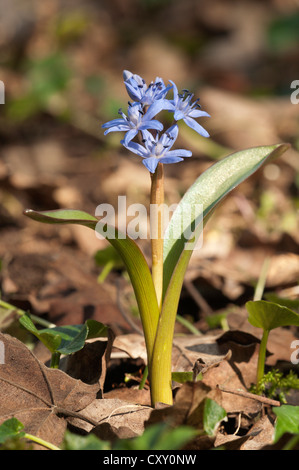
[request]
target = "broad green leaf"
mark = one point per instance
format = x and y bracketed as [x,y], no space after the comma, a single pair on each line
[65,339]
[158,437]
[204,195]
[287,420]
[208,190]
[72,337]
[162,352]
[293,304]
[133,259]
[96,329]
[269,315]
[49,338]
[11,428]
[90,442]
[212,416]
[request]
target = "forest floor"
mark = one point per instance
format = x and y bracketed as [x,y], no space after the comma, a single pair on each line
[54,155]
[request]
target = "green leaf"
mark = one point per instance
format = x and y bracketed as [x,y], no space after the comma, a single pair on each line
[204,195]
[65,339]
[132,257]
[201,198]
[72,337]
[212,416]
[269,315]
[49,338]
[90,442]
[158,437]
[287,420]
[293,304]
[96,329]
[11,428]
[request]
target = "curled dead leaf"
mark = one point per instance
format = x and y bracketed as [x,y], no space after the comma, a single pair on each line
[41,398]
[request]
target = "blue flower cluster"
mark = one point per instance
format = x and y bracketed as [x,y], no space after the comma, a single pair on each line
[148,101]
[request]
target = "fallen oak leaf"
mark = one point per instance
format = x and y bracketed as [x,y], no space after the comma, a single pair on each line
[116,418]
[41,398]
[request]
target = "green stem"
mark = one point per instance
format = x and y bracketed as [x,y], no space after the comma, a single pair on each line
[19,311]
[187,324]
[292,443]
[144,377]
[262,356]
[55,360]
[105,271]
[40,441]
[259,290]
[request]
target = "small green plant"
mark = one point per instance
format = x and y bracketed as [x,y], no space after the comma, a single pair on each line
[64,339]
[287,422]
[274,384]
[13,430]
[268,316]
[158,287]
[156,437]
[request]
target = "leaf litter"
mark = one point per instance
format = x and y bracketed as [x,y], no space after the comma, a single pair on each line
[52,274]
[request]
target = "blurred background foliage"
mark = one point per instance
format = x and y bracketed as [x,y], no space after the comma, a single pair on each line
[67,56]
[62,60]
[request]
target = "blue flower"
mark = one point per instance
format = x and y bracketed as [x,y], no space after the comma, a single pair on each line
[139,91]
[183,108]
[136,121]
[158,149]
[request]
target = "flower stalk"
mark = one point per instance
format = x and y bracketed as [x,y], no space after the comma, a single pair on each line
[262,356]
[157,201]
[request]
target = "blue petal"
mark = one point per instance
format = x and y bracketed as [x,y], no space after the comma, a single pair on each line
[179,153]
[158,106]
[133,91]
[196,113]
[195,126]
[148,140]
[151,163]
[119,128]
[172,133]
[130,135]
[127,74]
[153,124]
[178,114]
[175,92]
[114,122]
[135,148]
[169,159]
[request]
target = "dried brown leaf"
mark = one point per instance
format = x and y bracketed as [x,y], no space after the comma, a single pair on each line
[41,398]
[116,418]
